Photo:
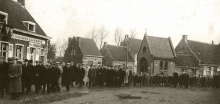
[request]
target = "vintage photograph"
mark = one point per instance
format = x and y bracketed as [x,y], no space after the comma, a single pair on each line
[109,51]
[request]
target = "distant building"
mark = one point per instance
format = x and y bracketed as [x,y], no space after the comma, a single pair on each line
[82,50]
[116,56]
[133,46]
[156,55]
[204,57]
[21,35]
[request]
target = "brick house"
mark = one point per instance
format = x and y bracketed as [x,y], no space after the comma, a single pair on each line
[205,56]
[116,56]
[82,50]
[25,38]
[133,46]
[156,55]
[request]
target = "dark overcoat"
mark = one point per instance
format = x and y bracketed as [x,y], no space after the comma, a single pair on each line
[92,75]
[3,75]
[66,76]
[14,73]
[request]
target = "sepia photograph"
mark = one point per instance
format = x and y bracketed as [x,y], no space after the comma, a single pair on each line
[109,51]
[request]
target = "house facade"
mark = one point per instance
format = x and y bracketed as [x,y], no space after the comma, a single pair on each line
[21,35]
[116,56]
[156,55]
[133,46]
[82,50]
[205,56]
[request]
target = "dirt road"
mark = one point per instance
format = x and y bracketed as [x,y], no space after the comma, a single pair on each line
[146,95]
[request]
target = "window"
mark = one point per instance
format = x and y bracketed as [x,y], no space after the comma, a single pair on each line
[19,51]
[144,49]
[30,25]
[166,66]
[3,17]
[161,65]
[4,50]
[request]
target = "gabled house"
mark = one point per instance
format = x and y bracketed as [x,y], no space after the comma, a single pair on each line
[156,55]
[133,46]
[21,35]
[205,56]
[116,56]
[82,50]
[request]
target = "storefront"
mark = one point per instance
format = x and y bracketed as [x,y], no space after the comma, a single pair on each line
[24,47]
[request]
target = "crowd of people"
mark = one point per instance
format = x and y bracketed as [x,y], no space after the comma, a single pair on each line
[22,78]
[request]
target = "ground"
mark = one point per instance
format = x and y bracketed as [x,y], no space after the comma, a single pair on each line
[125,95]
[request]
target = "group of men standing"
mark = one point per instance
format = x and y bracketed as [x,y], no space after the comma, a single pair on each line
[21,78]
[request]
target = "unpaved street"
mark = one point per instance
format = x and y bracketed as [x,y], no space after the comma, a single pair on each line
[146,95]
[123,95]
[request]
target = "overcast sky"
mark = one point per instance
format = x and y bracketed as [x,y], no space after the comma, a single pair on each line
[199,19]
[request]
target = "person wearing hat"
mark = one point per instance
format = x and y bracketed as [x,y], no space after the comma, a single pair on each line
[66,77]
[3,76]
[14,74]
[30,76]
[24,76]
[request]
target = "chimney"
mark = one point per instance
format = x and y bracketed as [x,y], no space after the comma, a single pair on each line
[69,40]
[79,41]
[126,36]
[105,43]
[212,42]
[184,37]
[22,2]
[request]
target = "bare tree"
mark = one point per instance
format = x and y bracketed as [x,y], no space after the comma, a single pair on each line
[61,46]
[132,33]
[118,35]
[102,33]
[93,34]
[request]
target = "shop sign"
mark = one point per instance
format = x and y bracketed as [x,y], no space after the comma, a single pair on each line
[35,45]
[25,38]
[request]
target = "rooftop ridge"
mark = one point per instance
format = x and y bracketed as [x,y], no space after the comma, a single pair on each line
[203,42]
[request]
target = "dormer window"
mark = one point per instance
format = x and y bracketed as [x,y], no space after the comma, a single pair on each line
[3,17]
[30,25]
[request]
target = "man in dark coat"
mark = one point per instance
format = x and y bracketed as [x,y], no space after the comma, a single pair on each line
[3,76]
[81,75]
[14,73]
[31,76]
[175,78]
[47,78]
[55,76]
[100,76]
[43,75]
[73,73]
[186,79]
[24,77]
[92,76]
[38,70]
[66,77]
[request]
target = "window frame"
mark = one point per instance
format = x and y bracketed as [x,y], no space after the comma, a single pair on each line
[7,50]
[22,50]
[6,16]
[28,25]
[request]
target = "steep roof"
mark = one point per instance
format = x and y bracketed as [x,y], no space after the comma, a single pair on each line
[135,44]
[160,47]
[207,53]
[17,14]
[186,61]
[119,53]
[59,59]
[88,47]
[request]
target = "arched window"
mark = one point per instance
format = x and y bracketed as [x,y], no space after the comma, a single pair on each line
[166,66]
[144,49]
[161,65]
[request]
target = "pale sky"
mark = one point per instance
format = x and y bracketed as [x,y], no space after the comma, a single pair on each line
[199,19]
